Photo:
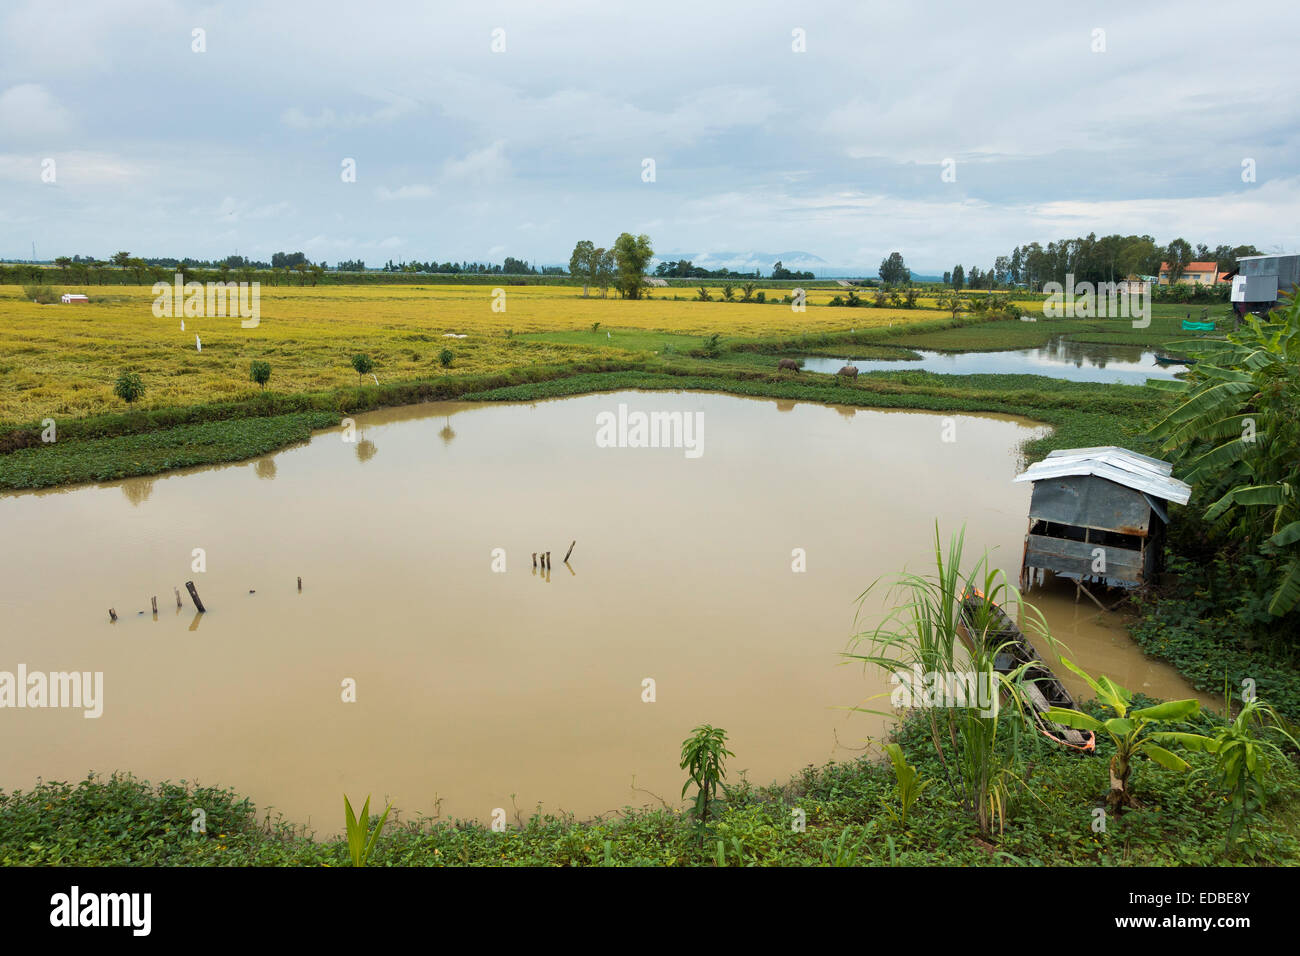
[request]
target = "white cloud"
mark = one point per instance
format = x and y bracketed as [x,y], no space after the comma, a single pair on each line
[395,109]
[414,191]
[481,165]
[29,113]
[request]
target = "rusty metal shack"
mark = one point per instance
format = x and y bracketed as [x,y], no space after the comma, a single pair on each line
[1098,515]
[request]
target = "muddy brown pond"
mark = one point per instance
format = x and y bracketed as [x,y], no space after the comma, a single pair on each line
[477,688]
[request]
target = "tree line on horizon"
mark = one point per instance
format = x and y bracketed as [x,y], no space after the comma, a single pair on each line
[1092,259]
[1088,258]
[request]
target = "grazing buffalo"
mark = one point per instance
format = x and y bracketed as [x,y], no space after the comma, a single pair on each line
[788,364]
[848,371]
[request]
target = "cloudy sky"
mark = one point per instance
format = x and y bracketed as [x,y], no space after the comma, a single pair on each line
[463,152]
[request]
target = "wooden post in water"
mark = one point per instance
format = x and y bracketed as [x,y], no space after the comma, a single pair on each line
[178,596]
[300,582]
[569,552]
[194,596]
[112,615]
[154,601]
[548,560]
[534,559]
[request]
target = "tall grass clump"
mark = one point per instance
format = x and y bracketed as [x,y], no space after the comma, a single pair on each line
[921,637]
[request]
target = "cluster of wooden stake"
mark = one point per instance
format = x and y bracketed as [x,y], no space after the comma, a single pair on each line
[194,596]
[542,559]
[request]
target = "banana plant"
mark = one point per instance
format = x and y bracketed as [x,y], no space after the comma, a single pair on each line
[1243,756]
[359,846]
[1131,732]
[1235,434]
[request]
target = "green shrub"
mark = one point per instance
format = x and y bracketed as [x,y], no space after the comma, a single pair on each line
[42,294]
[129,387]
[363,364]
[260,372]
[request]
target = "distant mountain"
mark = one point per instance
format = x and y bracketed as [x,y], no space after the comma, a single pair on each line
[749,261]
[795,260]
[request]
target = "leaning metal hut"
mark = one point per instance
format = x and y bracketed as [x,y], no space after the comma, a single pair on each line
[1098,515]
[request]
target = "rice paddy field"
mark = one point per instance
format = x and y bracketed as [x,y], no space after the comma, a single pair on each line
[61,360]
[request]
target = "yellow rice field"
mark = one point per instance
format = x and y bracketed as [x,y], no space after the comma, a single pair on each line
[61,360]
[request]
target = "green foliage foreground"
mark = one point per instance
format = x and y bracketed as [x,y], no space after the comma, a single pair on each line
[1182,819]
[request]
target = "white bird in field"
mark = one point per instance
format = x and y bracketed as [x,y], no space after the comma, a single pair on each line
[182,325]
[197,344]
[608,336]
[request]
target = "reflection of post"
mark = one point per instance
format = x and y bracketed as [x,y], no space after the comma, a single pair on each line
[194,596]
[194,624]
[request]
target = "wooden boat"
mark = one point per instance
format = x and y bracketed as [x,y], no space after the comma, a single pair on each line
[1171,360]
[1043,690]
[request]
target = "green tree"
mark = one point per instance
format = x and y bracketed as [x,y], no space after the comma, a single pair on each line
[604,269]
[1178,254]
[893,270]
[122,260]
[631,255]
[584,263]
[363,365]
[958,277]
[445,358]
[260,372]
[129,387]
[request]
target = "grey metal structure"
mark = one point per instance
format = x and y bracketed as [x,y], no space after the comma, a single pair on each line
[1098,515]
[1260,280]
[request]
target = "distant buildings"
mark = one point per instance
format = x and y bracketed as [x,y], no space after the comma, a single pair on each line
[1135,285]
[1195,273]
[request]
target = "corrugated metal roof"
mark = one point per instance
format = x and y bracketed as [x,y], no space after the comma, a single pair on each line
[1124,467]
